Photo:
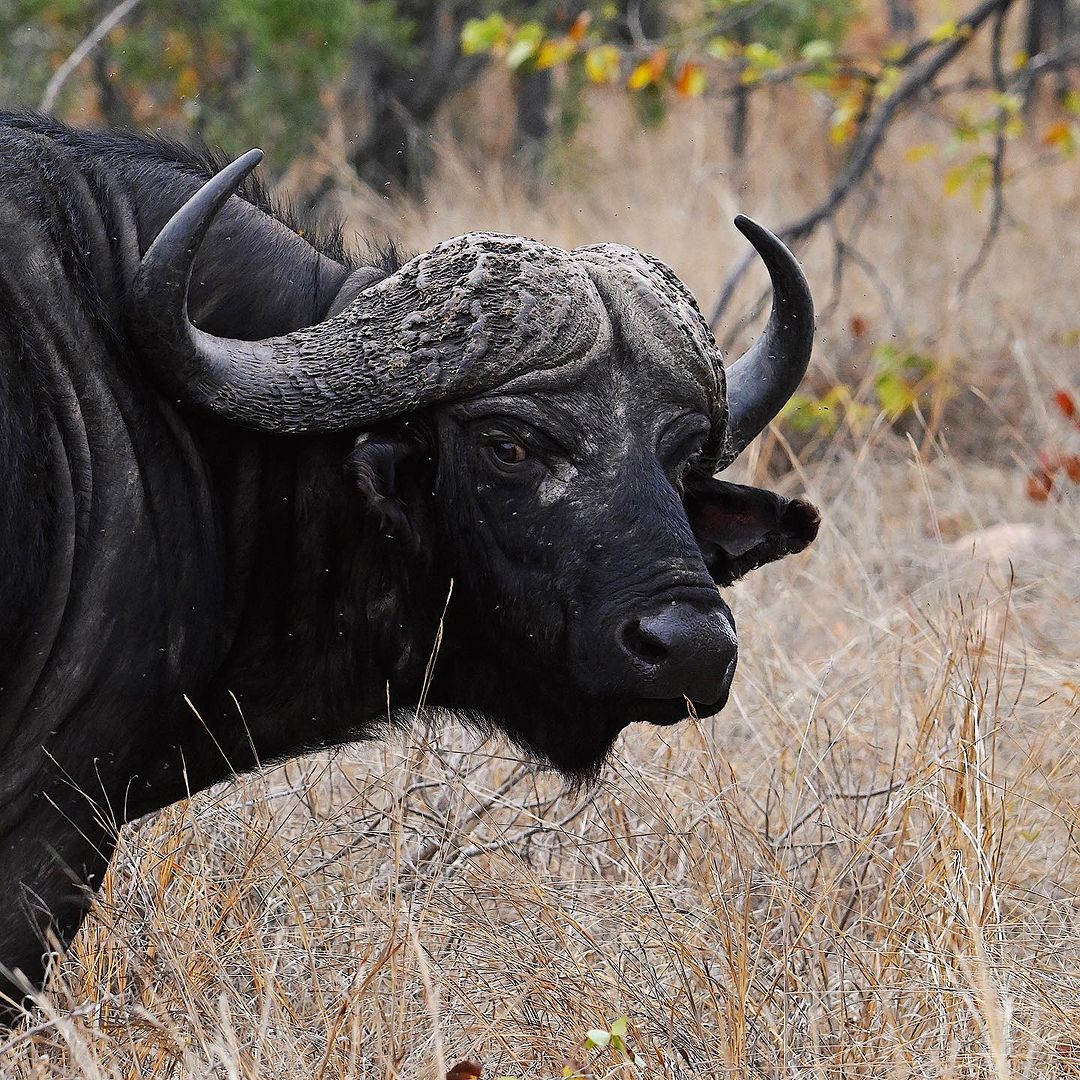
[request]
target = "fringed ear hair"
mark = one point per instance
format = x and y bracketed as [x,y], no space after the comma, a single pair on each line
[741,528]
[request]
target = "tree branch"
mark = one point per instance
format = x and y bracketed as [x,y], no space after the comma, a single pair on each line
[997,181]
[869,142]
[85,47]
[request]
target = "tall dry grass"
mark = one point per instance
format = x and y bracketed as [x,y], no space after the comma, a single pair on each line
[867,866]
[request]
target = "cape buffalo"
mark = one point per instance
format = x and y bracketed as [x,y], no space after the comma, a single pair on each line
[233,461]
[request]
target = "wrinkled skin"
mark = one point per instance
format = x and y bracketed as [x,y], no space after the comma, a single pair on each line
[613,484]
[587,535]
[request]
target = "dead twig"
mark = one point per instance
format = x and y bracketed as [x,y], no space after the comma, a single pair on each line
[997,179]
[112,19]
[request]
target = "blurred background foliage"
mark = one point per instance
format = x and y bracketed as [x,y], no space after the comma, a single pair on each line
[277,72]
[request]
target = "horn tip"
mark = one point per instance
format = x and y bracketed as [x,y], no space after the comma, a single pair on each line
[749,227]
[237,171]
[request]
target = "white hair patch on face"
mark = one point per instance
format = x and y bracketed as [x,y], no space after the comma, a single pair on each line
[555,487]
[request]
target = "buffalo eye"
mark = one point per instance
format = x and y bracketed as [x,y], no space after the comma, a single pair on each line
[507,451]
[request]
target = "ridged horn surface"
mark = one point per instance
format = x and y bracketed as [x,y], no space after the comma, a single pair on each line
[469,315]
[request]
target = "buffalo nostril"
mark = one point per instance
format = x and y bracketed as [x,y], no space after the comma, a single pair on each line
[681,651]
[644,640]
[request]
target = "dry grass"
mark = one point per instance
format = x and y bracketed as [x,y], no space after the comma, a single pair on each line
[866,867]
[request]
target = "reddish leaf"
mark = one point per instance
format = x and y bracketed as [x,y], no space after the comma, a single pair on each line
[1049,461]
[1067,404]
[1040,484]
[1071,465]
[690,82]
[580,27]
[1057,134]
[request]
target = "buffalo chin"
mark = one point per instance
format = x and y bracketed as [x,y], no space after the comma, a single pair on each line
[577,743]
[580,757]
[555,723]
[666,712]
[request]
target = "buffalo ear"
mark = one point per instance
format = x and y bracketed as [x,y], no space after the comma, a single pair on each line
[741,528]
[392,471]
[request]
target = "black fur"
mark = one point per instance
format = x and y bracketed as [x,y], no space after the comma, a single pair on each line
[149,553]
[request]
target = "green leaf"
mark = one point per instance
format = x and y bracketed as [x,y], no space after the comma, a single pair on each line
[519,52]
[895,395]
[762,57]
[1011,103]
[890,79]
[817,51]
[482,35]
[807,414]
[722,48]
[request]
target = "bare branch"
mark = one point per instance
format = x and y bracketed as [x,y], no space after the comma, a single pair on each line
[85,47]
[997,182]
[869,141]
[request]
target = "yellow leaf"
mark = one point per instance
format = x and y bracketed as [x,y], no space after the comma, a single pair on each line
[649,71]
[921,152]
[555,52]
[602,64]
[640,77]
[1056,134]
[955,178]
[944,31]
[1014,127]
[843,125]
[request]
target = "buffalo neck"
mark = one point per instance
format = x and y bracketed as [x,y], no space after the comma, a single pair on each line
[192,537]
[317,599]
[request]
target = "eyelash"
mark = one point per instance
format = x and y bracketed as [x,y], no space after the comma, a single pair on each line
[494,441]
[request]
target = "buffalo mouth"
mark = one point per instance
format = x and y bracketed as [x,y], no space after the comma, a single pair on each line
[667,712]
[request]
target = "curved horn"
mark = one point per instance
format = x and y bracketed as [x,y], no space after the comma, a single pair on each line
[468,315]
[186,358]
[769,372]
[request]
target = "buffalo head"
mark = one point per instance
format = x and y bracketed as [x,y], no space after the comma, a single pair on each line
[540,428]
